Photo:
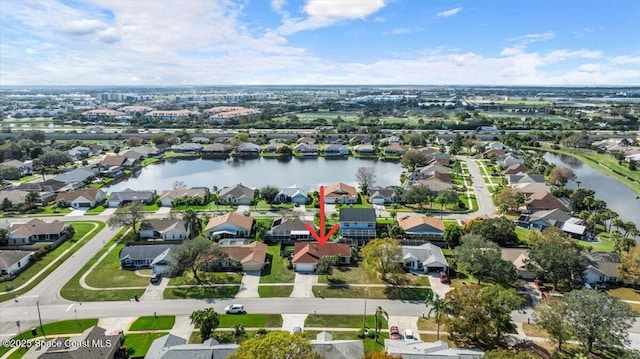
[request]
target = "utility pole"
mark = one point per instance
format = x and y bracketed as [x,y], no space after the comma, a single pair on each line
[364,315]
[40,319]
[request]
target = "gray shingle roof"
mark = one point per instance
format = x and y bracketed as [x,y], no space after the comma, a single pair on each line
[11,257]
[357,215]
[143,251]
[426,253]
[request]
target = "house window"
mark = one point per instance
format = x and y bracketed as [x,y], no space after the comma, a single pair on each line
[370,225]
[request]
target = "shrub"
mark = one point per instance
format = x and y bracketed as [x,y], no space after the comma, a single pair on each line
[361,333]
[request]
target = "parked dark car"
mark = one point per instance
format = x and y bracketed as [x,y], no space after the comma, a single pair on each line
[155,278]
[443,278]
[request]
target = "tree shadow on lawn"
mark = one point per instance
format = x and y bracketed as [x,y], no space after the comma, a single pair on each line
[205,291]
[408,294]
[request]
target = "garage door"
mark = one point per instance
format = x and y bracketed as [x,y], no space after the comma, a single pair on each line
[304,267]
[84,204]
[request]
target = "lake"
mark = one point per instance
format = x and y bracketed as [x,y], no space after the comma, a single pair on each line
[307,173]
[618,196]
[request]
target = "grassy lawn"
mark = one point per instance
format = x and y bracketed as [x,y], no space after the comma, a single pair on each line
[148,161]
[341,321]
[429,324]
[523,234]
[207,278]
[251,320]
[72,290]
[275,291]
[278,271]
[138,344]
[50,210]
[534,331]
[201,292]
[88,229]
[55,328]
[625,293]
[372,346]
[96,210]
[109,275]
[372,292]
[164,322]
[153,207]
[605,244]
[350,275]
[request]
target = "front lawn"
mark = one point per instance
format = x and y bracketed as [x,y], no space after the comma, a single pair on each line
[278,271]
[108,274]
[425,323]
[50,210]
[138,344]
[341,321]
[625,293]
[400,293]
[604,245]
[84,232]
[251,320]
[207,278]
[164,322]
[202,292]
[275,290]
[350,275]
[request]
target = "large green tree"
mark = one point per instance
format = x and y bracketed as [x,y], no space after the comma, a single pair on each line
[381,255]
[269,193]
[413,158]
[128,216]
[192,222]
[438,306]
[498,230]
[596,318]
[419,194]
[552,317]
[326,263]
[52,158]
[275,345]
[189,256]
[630,266]
[207,320]
[555,257]
[483,260]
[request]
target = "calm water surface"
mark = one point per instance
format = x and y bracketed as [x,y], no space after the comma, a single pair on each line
[307,173]
[618,196]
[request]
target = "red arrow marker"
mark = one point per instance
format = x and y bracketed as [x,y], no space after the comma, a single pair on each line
[322,237]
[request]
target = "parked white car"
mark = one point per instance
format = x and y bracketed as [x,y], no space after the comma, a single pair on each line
[234,309]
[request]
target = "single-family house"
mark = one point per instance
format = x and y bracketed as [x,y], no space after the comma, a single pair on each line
[187,147]
[290,230]
[36,230]
[422,227]
[515,169]
[167,229]
[79,152]
[365,149]
[24,168]
[435,184]
[306,255]
[542,201]
[493,152]
[293,194]
[306,149]
[47,186]
[556,218]
[417,349]
[247,149]
[174,347]
[432,169]
[395,150]
[358,223]
[340,193]
[16,198]
[509,159]
[275,147]
[635,157]
[519,258]
[236,194]
[86,198]
[336,150]
[359,139]
[251,257]
[156,256]
[168,196]
[93,343]
[127,196]
[113,161]
[527,189]
[426,258]
[525,178]
[215,150]
[200,139]
[229,225]
[78,176]
[337,349]
[306,139]
[602,267]
[391,140]
[385,195]
[13,262]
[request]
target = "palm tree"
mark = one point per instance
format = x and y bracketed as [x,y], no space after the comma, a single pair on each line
[192,222]
[379,312]
[617,223]
[215,198]
[442,200]
[239,333]
[32,199]
[438,306]
[207,319]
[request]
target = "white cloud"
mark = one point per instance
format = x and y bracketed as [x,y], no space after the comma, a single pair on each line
[399,31]
[323,13]
[590,68]
[449,12]
[626,60]
[561,55]
[529,38]
[82,27]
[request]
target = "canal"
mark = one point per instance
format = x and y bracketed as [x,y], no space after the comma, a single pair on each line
[618,196]
[306,173]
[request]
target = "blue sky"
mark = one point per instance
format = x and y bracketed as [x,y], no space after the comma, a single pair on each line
[319,42]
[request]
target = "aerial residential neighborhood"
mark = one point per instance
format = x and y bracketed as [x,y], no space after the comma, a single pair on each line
[319,179]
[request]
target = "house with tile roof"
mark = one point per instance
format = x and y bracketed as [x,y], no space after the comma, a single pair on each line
[86,198]
[168,196]
[289,230]
[166,229]
[340,193]
[250,257]
[236,194]
[514,169]
[542,201]
[36,230]
[113,161]
[358,223]
[422,227]
[13,262]
[426,258]
[306,255]
[229,225]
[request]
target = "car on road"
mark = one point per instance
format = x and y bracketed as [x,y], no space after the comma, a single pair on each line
[394,333]
[155,278]
[408,334]
[234,309]
[443,278]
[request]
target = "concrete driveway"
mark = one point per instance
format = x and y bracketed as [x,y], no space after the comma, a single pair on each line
[437,287]
[290,321]
[404,322]
[108,211]
[303,285]
[163,211]
[242,208]
[249,285]
[78,212]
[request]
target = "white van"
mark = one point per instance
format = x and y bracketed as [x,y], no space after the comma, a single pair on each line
[408,334]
